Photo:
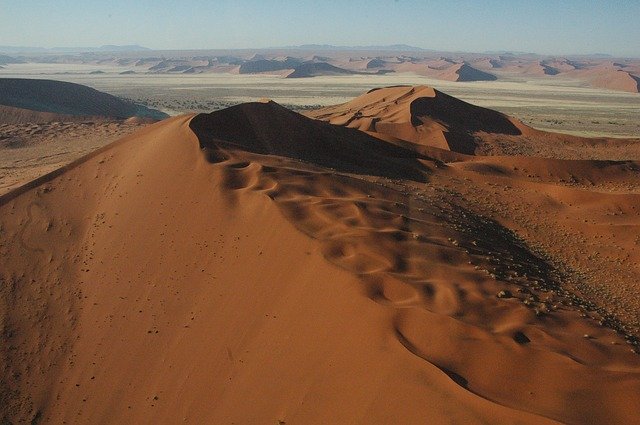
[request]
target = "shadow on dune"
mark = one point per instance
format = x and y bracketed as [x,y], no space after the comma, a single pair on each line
[461,119]
[461,116]
[637,80]
[270,129]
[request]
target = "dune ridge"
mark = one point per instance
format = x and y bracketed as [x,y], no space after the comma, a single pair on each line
[254,265]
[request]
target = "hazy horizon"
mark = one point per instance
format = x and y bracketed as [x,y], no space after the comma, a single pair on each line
[574,27]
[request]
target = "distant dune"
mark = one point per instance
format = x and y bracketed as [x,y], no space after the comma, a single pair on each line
[615,79]
[254,265]
[263,65]
[595,70]
[465,72]
[60,97]
[314,69]
[376,63]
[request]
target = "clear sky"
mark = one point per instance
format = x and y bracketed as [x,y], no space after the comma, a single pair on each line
[540,26]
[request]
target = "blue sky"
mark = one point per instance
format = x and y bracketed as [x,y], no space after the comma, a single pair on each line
[550,27]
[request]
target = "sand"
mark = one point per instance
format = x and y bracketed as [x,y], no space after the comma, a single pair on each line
[32,149]
[254,265]
[46,124]
[426,117]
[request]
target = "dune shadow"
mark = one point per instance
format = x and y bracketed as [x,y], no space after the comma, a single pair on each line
[460,115]
[637,80]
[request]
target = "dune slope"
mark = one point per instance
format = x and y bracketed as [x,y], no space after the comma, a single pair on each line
[60,97]
[255,266]
[426,117]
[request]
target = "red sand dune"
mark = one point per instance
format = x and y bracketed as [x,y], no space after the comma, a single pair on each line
[465,72]
[420,115]
[444,69]
[426,117]
[614,79]
[255,266]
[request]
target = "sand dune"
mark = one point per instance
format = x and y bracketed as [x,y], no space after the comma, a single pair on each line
[60,97]
[615,79]
[465,72]
[428,118]
[256,266]
[420,115]
[376,63]
[264,65]
[314,69]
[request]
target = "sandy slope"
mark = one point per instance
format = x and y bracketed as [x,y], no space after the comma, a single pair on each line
[256,266]
[30,150]
[427,117]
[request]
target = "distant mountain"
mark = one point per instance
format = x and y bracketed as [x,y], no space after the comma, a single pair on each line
[392,47]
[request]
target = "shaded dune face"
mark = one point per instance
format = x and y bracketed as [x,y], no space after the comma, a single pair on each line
[270,129]
[637,80]
[468,73]
[460,116]
[460,119]
[254,265]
